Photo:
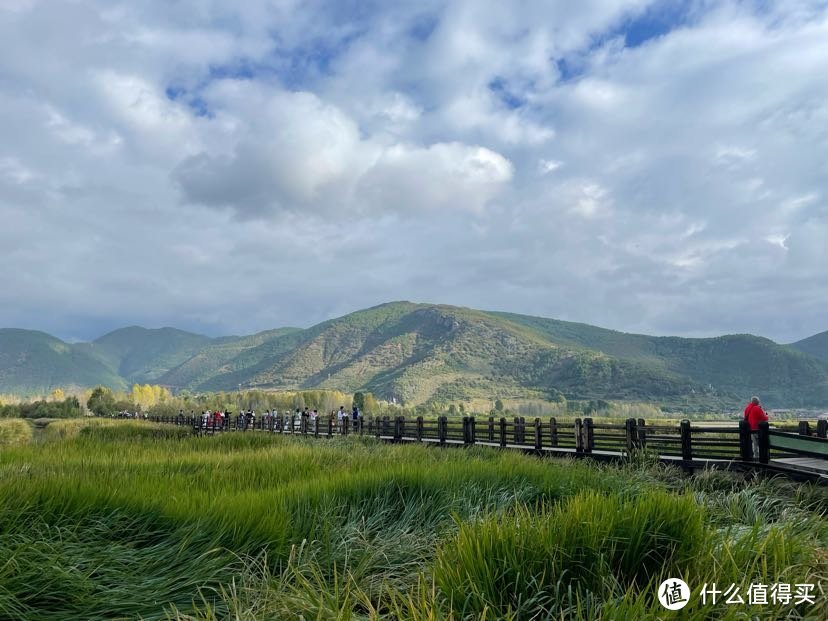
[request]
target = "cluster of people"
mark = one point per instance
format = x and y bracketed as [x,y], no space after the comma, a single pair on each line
[248,417]
[208,418]
[128,414]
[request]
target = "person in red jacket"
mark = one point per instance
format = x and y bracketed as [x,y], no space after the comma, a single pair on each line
[754,414]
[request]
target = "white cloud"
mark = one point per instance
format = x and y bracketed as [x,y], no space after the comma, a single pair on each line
[295,152]
[277,151]
[588,199]
[547,166]
[441,177]
[778,239]
[12,170]
[140,107]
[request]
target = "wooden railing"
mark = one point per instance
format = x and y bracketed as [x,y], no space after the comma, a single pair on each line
[684,443]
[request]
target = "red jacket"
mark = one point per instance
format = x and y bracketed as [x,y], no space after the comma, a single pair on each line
[754,414]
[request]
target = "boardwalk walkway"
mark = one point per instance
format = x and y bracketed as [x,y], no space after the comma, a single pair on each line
[801,455]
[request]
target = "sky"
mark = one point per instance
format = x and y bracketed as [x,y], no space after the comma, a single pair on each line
[229,167]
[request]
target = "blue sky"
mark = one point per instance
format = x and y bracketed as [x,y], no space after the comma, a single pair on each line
[643,165]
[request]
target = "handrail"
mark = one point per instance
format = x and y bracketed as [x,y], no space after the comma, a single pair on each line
[684,444]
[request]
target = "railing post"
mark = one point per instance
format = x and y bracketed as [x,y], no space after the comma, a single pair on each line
[589,435]
[397,430]
[822,428]
[629,434]
[538,435]
[465,430]
[330,426]
[442,429]
[502,432]
[377,426]
[419,429]
[553,431]
[641,432]
[316,427]
[745,442]
[472,430]
[686,441]
[804,428]
[579,436]
[764,442]
[490,425]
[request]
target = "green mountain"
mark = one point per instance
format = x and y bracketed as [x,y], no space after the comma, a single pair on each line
[141,356]
[424,352]
[34,363]
[420,352]
[727,366]
[816,346]
[224,356]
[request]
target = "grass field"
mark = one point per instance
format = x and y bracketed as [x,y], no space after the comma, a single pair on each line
[128,520]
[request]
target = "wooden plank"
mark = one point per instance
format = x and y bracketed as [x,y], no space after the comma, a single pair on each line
[814,464]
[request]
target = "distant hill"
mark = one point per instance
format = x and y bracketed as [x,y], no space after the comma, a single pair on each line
[34,362]
[816,346]
[142,356]
[424,352]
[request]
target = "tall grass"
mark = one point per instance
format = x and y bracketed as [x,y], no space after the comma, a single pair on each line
[14,432]
[107,429]
[132,520]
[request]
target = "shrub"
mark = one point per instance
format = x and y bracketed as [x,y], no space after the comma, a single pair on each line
[15,432]
[524,562]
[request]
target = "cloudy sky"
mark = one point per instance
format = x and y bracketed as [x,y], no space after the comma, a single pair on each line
[227,167]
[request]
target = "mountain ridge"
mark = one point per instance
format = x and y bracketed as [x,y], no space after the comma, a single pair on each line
[816,345]
[418,353]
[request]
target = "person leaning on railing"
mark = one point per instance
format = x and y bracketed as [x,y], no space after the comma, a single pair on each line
[754,414]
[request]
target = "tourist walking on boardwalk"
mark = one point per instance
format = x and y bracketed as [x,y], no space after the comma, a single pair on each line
[754,414]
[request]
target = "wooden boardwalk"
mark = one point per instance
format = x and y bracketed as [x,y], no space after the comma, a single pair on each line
[801,455]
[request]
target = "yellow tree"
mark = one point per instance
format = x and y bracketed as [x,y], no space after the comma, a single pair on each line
[136,394]
[57,395]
